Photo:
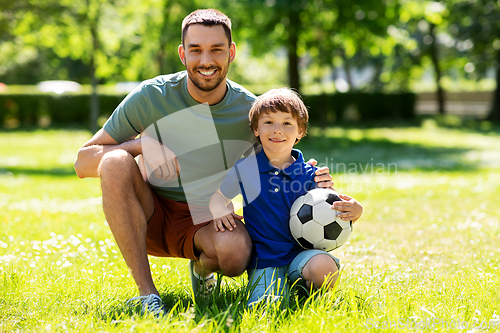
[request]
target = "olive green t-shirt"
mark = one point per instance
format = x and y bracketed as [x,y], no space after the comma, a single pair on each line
[207,140]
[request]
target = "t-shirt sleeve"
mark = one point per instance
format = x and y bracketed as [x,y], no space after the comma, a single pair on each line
[230,186]
[130,116]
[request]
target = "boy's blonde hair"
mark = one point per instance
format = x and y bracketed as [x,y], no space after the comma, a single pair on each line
[280,100]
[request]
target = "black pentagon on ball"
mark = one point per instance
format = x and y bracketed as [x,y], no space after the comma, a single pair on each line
[305,213]
[305,244]
[332,231]
[332,198]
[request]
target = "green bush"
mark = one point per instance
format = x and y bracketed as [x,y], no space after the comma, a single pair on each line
[27,109]
[326,108]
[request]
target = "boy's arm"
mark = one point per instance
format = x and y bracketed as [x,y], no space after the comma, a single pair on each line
[222,215]
[349,208]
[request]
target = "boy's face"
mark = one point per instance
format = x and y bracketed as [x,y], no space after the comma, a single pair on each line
[278,132]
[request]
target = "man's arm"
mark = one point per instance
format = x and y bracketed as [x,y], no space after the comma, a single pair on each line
[90,154]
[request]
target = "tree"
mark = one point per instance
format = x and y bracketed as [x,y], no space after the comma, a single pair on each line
[476,26]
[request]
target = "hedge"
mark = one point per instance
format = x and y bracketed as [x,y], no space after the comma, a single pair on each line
[324,109]
[61,109]
[327,108]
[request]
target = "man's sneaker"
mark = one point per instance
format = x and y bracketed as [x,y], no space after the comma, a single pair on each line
[203,286]
[150,304]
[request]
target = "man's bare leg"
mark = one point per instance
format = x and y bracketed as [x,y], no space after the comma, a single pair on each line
[128,204]
[227,252]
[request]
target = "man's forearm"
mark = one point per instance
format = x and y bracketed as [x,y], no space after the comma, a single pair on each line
[89,157]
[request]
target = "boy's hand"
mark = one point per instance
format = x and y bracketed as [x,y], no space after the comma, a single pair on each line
[323,178]
[350,209]
[225,218]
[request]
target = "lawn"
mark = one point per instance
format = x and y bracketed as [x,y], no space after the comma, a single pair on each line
[425,255]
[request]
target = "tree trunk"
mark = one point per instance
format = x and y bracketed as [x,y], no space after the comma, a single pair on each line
[347,70]
[162,54]
[435,61]
[494,114]
[293,39]
[94,98]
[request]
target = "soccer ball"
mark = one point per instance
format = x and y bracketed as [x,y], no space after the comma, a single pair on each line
[315,225]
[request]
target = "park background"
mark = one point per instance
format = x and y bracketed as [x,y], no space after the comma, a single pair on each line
[405,111]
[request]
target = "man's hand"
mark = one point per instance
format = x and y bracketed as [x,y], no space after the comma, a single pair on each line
[323,177]
[161,160]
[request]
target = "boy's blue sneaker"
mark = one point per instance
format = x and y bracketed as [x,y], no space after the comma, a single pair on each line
[201,286]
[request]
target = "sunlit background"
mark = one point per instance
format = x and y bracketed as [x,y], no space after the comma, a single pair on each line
[446,52]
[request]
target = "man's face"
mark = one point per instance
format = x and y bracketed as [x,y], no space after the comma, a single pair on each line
[206,55]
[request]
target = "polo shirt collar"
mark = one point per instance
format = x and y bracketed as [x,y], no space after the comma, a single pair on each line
[291,171]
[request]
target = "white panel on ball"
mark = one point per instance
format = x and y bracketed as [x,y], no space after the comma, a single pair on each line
[323,213]
[295,226]
[312,232]
[344,224]
[326,245]
[296,205]
[343,236]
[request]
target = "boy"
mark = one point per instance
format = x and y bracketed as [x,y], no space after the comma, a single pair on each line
[279,120]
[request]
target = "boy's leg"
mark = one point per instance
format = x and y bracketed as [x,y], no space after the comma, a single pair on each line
[264,282]
[314,267]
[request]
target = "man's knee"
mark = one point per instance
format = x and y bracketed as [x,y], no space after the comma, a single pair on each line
[234,251]
[115,163]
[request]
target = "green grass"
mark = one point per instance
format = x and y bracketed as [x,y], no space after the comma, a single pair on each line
[426,251]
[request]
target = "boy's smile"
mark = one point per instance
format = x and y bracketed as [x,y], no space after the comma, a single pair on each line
[278,132]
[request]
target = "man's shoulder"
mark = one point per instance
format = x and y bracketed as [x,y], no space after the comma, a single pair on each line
[240,92]
[164,82]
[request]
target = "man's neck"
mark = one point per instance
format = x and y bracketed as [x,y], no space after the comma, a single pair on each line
[211,97]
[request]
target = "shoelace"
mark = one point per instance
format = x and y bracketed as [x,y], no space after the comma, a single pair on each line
[150,303]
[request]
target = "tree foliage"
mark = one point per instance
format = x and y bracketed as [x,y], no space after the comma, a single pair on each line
[297,41]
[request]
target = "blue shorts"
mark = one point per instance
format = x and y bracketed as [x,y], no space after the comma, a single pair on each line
[274,282]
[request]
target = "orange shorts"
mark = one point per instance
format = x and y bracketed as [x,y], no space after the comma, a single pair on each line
[171,229]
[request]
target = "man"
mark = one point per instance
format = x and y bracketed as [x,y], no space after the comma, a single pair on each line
[158,218]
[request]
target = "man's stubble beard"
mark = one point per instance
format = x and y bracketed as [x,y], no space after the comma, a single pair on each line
[205,86]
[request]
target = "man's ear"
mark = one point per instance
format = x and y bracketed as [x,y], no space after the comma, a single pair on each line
[182,54]
[232,52]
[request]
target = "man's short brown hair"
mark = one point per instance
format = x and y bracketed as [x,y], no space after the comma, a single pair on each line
[207,17]
[280,100]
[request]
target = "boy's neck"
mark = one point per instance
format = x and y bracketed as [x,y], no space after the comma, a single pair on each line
[281,161]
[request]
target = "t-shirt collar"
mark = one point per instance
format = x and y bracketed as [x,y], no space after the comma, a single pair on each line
[291,171]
